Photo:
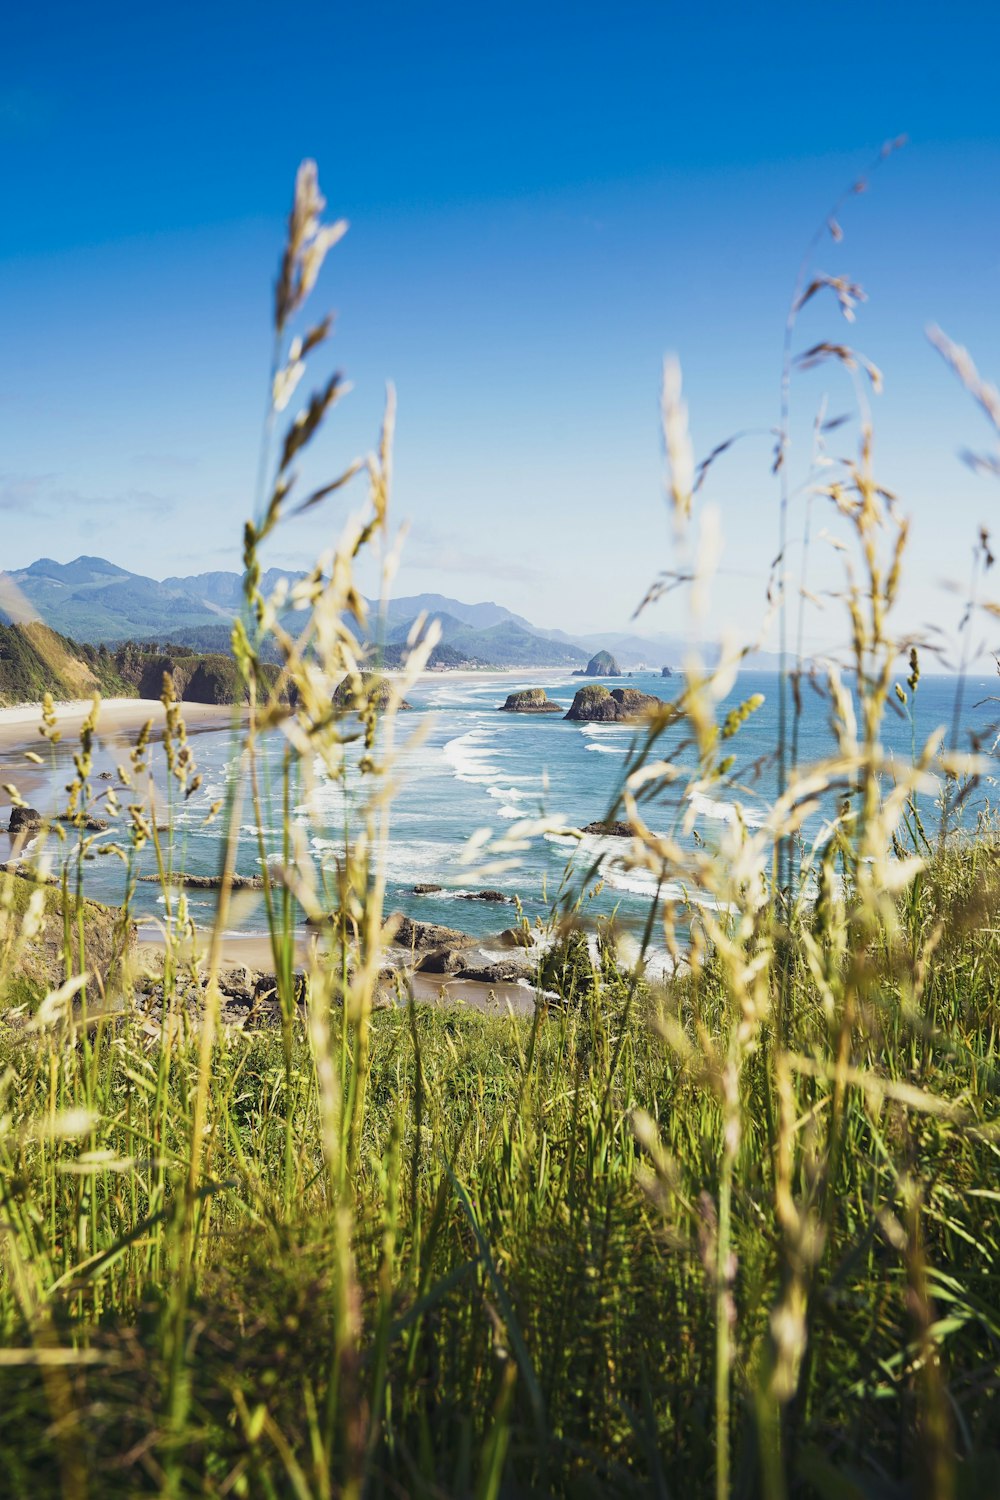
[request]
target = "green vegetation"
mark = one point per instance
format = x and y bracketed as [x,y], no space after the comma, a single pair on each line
[735,1233]
[594,692]
[522,1248]
[34,660]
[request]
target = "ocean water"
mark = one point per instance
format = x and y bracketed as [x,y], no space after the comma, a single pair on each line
[476,768]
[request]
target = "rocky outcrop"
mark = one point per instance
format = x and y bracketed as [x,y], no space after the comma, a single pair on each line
[434,890]
[666,672]
[602,664]
[446,951]
[614,830]
[207,882]
[600,705]
[249,999]
[374,690]
[419,937]
[24,820]
[99,939]
[530,701]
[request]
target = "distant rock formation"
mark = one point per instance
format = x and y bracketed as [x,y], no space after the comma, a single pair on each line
[596,704]
[666,672]
[601,665]
[530,701]
[375,688]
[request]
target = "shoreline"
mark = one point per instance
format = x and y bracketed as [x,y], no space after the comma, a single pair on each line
[253,951]
[118,720]
[19,722]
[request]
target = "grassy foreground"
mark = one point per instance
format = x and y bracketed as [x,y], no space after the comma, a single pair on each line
[521,1290]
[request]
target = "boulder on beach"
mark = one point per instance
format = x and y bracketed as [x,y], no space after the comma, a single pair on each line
[530,701]
[374,690]
[596,704]
[422,936]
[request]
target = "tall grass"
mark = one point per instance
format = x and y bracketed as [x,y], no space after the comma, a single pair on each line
[733,1235]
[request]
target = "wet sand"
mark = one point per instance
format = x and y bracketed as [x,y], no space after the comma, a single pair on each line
[118,722]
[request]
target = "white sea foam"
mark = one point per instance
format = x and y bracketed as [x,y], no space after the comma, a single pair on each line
[470,756]
[725,812]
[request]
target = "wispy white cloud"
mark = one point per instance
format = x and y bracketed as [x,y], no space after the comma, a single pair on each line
[46,498]
[430,550]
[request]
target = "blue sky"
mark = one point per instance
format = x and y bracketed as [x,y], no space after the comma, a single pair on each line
[543,201]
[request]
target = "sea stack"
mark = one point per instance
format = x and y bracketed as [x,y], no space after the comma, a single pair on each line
[375,689]
[602,664]
[597,704]
[530,701]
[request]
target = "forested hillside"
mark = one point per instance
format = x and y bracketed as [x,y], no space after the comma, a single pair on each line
[35,660]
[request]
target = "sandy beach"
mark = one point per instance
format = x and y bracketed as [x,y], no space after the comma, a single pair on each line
[119,720]
[117,717]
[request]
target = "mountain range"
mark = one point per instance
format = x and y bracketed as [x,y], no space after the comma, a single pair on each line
[94,600]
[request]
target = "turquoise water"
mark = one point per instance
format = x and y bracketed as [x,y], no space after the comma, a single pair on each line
[478,768]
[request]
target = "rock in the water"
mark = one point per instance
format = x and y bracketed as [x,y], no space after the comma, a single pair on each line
[530,701]
[484,896]
[24,820]
[666,672]
[601,705]
[207,882]
[615,830]
[427,890]
[375,690]
[602,664]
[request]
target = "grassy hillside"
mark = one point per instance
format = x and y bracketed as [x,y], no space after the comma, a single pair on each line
[35,660]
